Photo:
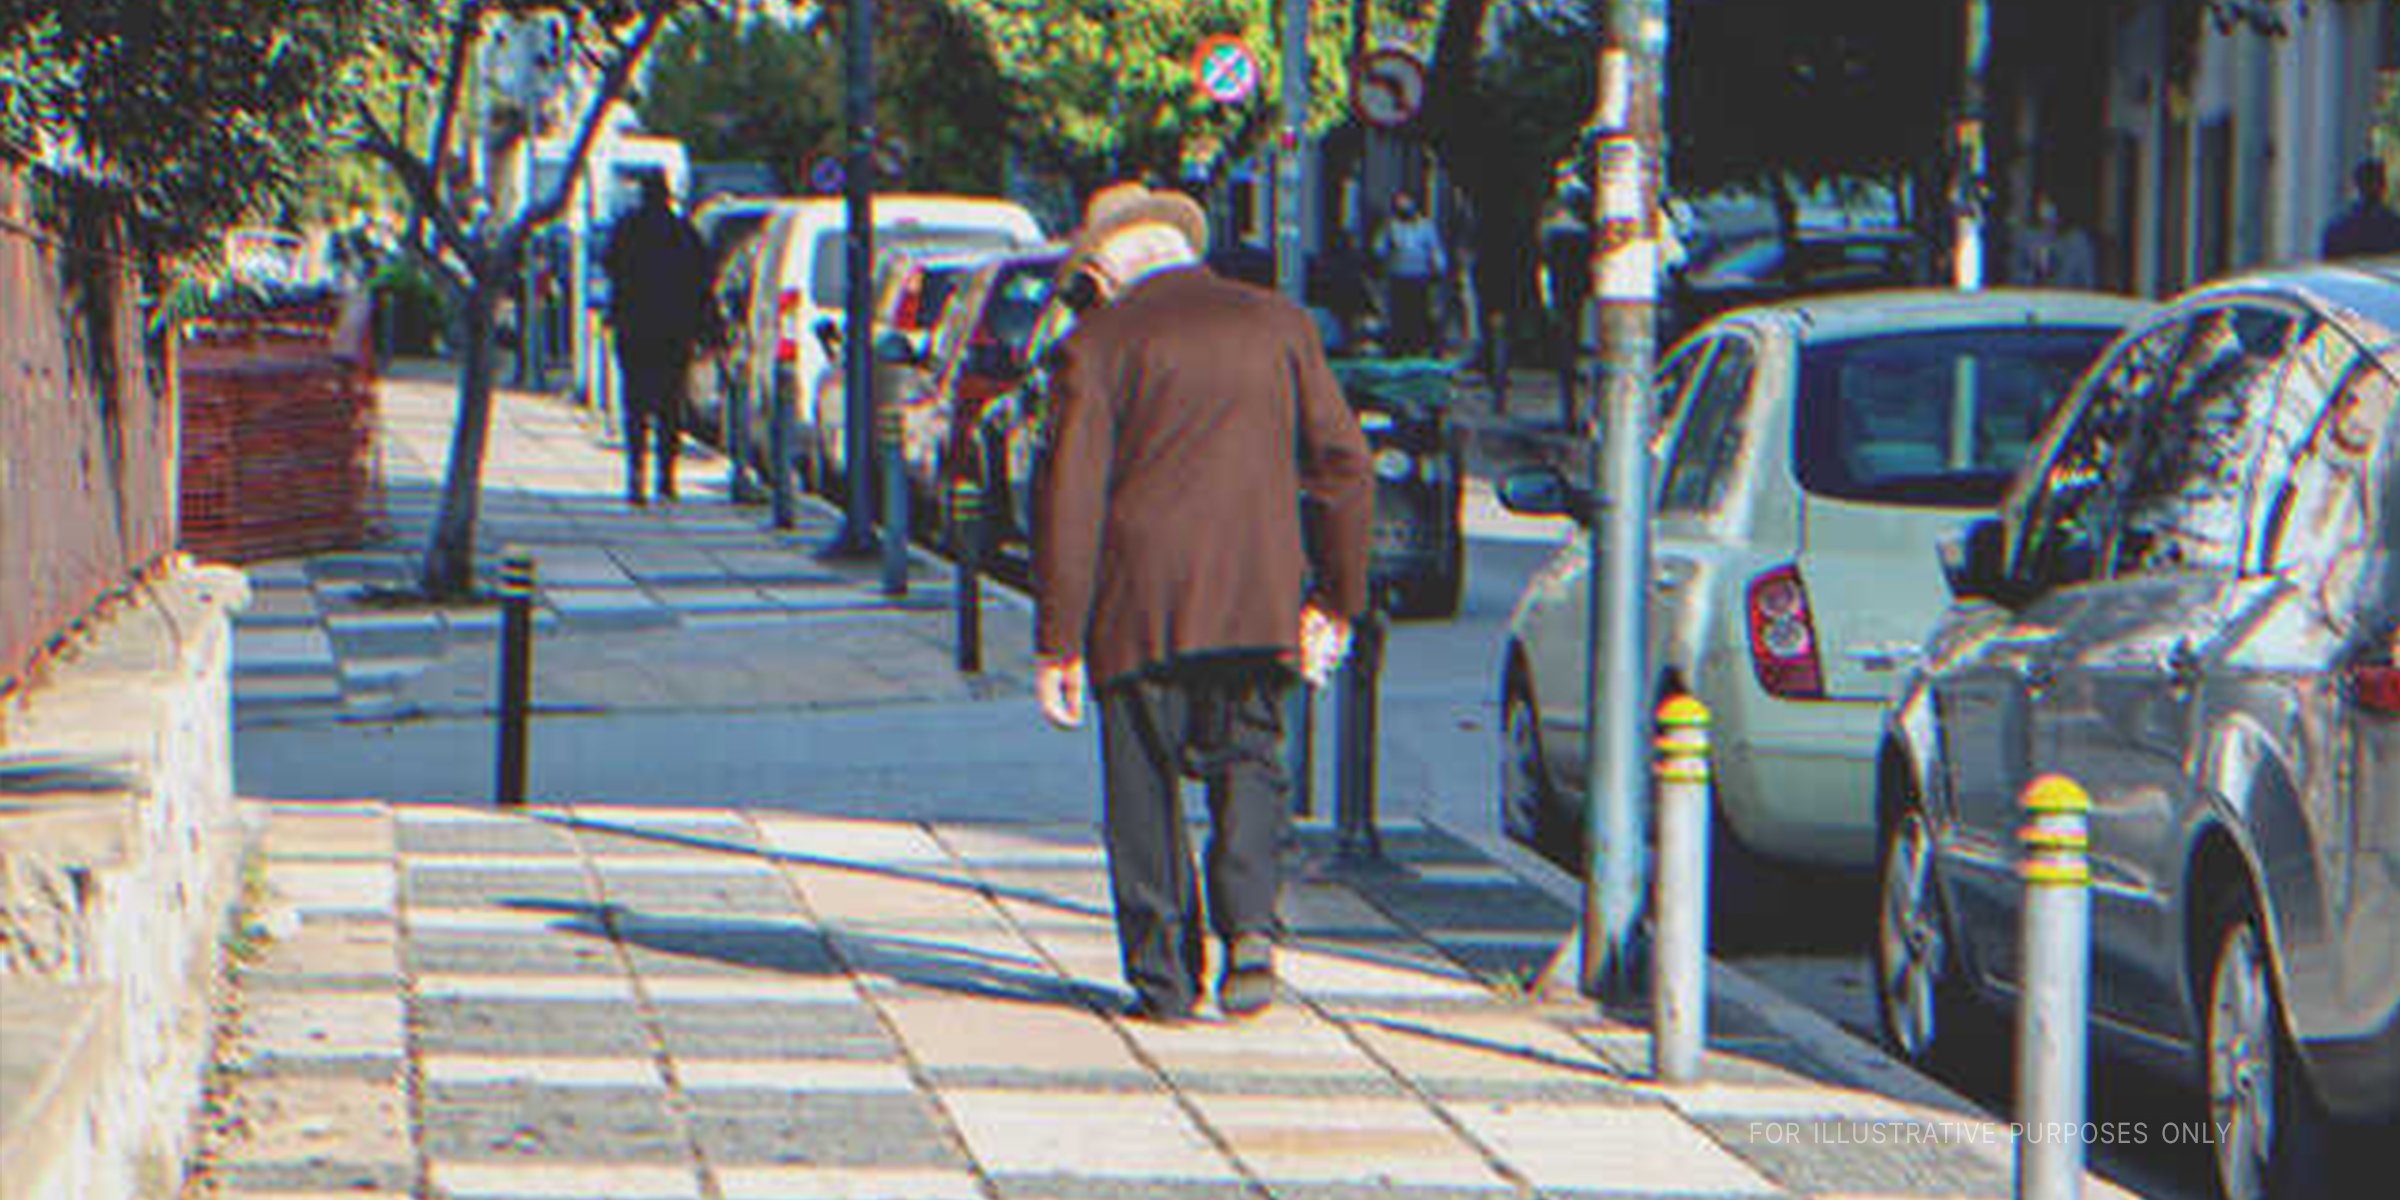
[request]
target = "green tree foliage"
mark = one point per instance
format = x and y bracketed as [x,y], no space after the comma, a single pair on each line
[769,91]
[1104,84]
[191,113]
[772,91]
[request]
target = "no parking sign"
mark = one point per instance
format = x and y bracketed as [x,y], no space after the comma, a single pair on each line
[1227,71]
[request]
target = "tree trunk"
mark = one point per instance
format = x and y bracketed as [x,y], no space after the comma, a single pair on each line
[449,568]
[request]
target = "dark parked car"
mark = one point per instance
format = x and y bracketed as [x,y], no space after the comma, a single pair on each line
[1419,568]
[1754,272]
[2188,603]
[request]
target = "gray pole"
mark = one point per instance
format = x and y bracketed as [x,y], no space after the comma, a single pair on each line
[856,537]
[1291,278]
[1968,199]
[1625,258]
[1291,263]
[2057,947]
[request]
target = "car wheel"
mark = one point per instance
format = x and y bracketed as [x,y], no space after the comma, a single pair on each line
[1919,993]
[1529,809]
[2275,1139]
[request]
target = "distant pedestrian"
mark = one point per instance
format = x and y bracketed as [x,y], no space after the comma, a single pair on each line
[1190,415]
[1566,287]
[1414,264]
[657,305]
[2052,253]
[2368,226]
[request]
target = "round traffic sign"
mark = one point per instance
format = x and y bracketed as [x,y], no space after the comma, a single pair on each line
[825,173]
[1228,72]
[1389,88]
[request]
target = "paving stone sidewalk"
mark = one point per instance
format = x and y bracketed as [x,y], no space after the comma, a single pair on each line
[742,1005]
[671,607]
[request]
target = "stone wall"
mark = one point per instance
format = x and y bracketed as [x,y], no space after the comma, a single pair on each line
[120,845]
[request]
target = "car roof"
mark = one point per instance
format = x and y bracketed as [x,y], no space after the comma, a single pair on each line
[1837,316]
[2363,294]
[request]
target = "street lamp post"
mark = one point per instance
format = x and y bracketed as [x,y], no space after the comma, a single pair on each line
[1625,264]
[856,537]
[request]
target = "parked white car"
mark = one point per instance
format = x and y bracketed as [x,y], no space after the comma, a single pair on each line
[797,302]
[1813,454]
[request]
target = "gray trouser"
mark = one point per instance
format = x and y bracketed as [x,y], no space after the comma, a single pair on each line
[1219,721]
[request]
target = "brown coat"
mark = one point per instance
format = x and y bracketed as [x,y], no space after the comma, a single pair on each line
[1188,418]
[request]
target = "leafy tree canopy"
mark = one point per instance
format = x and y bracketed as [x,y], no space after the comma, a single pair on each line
[192,113]
[1111,81]
[772,90]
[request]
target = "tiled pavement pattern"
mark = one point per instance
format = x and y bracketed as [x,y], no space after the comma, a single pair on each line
[655,598]
[696,1003]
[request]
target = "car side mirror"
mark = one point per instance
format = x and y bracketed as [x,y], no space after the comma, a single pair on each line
[1543,492]
[1975,561]
[899,348]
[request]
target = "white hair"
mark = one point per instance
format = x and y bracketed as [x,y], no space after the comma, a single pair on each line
[1128,254]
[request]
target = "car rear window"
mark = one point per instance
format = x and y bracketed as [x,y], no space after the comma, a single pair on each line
[830,264]
[1017,300]
[1939,419]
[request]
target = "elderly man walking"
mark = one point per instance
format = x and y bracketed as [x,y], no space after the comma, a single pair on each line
[1192,414]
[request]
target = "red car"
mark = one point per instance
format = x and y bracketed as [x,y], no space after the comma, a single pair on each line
[977,351]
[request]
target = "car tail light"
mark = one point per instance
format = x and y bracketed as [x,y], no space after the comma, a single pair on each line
[1783,638]
[787,338]
[912,298]
[2376,688]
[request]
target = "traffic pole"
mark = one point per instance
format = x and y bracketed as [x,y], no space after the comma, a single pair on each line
[1291,263]
[780,436]
[895,499]
[2057,948]
[1679,978]
[967,524]
[856,537]
[516,674]
[1625,261]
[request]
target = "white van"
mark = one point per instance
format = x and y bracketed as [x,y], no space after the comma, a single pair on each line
[798,303]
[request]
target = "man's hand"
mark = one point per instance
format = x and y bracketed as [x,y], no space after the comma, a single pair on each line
[1324,643]
[1060,684]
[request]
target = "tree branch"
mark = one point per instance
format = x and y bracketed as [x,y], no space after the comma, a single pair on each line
[612,86]
[418,178]
[463,34]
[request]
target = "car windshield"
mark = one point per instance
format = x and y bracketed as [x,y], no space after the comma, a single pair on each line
[1940,418]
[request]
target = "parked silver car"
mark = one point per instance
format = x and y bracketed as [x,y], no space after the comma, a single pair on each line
[2187,603]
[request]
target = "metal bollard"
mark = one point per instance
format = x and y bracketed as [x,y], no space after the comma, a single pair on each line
[733,418]
[516,672]
[895,500]
[1300,750]
[1679,968]
[968,534]
[1355,835]
[784,505]
[2051,1012]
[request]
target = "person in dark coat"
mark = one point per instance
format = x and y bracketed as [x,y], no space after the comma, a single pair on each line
[1191,416]
[658,299]
[2368,226]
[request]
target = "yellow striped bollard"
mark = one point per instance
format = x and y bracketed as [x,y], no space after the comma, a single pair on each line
[2056,959]
[1679,969]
